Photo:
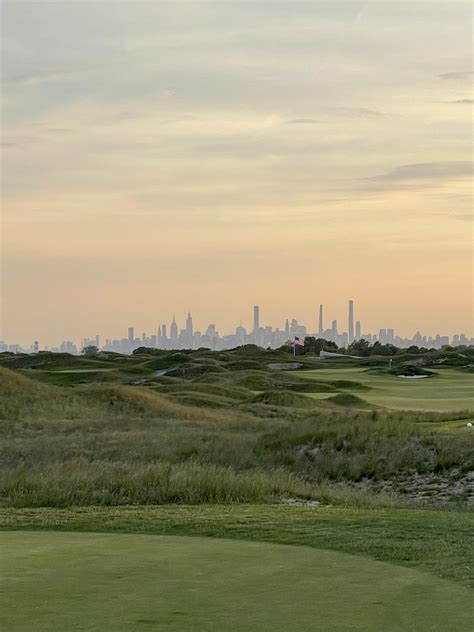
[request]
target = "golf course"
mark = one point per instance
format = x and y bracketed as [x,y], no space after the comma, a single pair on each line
[451,390]
[238,490]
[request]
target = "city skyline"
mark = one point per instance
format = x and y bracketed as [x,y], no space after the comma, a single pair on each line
[172,336]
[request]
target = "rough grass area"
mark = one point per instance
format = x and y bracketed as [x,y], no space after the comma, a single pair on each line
[287,399]
[59,581]
[225,428]
[83,483]
[439,542]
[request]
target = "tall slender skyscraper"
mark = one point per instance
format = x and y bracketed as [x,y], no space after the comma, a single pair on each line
[351,321]
[256,317]
[358,334]
[189,331]
[131,334]
[174,333]
[189,325]
[321,327]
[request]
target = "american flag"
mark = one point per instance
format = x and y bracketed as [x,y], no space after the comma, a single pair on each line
[299,341]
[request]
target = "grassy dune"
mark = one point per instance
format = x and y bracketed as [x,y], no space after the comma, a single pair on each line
[233,431]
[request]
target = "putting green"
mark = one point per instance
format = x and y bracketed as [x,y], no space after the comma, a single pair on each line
[82,581]
[449,390]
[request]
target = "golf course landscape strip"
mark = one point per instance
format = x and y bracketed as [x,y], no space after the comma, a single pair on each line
[131,582]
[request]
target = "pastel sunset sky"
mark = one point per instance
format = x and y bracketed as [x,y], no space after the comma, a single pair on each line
[165,156]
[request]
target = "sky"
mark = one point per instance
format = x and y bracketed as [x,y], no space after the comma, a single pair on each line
[161,157]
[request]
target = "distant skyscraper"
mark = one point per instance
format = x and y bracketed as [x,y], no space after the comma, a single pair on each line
[358,330]
[189,331]
[256,317]
[287,329]
[240,334]
[189,325]
[211,330]
[334,330]
[351,321]
[174,332]
[321,327]
[131,334]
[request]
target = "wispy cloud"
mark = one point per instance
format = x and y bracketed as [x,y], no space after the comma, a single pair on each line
[303,121]
[358,112]
[456,76]
[464,101]
[41,77]
[427,171]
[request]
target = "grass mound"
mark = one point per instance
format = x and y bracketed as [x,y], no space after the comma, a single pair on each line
[411,370]
[23,398]
[201,399]
[119,400]
[349,384]
[195,370]
[348,399]
[310,386]
[242,364]
[251,380]
[283,398]
[207,389]
[74,377]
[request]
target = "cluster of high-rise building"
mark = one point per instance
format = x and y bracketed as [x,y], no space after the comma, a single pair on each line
[173,337]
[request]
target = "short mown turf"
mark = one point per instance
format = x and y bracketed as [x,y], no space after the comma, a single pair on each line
[438,542]
[66,581]
[447,390]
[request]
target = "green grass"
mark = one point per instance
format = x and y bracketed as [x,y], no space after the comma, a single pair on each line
[65,581]
[119,444]
[438,542]
[448,390]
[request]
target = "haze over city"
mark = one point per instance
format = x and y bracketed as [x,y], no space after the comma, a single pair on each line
[173,336]
[158,159]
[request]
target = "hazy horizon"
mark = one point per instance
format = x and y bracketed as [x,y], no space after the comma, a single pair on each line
[165,157]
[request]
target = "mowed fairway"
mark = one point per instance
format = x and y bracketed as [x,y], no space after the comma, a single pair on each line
[449,390]
[58,581]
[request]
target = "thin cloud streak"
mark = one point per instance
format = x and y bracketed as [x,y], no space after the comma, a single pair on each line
[358,112]
[303,121]
[428,170]
[42,77]
[456,76]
